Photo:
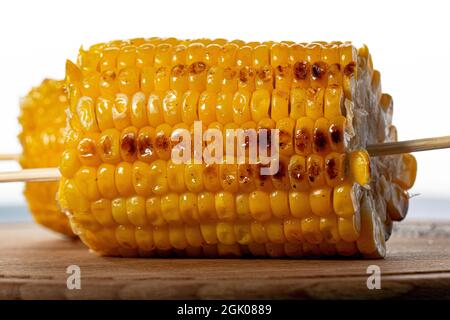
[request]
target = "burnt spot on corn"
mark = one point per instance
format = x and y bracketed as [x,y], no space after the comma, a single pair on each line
[265,74]
[297,172]
[197,67]
[245,173]
[246,74]
[302,69]
[319,70]
[331,168]
[106,145]
[302,139]
[145,145]
[228,177]
[282,70]
[335,134]
[87,148]
[128,144]
[313,171]
[349,69]
[285,139]
[319,140]
[211,171]
[179,70]
[162,142]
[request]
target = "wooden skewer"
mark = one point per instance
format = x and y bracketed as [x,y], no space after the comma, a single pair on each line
[9,156]
[382,149]
[38,174]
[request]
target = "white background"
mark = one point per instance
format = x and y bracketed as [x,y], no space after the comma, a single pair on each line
[408,41]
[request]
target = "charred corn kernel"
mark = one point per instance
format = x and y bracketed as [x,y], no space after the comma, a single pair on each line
[153,210]
[319,74]
[109,146]
[260,104]
[259,203]
[162,141]
[85,179]
[128,144]
[264,78]
[241,106]
[315,170]
[228,175]
[123,179]
[299,204]
[247,76]
[136,211]
[335,169]
[301,71]
[345,200]
[336,132]
[246,178]
[88,152]
[211,177]
[119,211]
[321,201]
[121,111]
[311,230]
[297,103]
[279,203]
[350,228]
[189,107]
[314,103]
[320,141]
[224,108]
[286,127]
[359,164]
[298,173]
[146,144]
[105,181]
[406,175]
[333,102]
[179,77]
[225,206]
[283,77]
[303,136]
[155,110]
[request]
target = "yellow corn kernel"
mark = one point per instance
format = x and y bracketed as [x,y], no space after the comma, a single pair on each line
[258,232]
[336,131]
[189,107]
[303,136]
[193,177]
[259,203]
[242,233]
[264,78]
[142,178]
[311,230]
[207,107]
[121,111]
[177,237]
[350,228]
[371,242]
[275,231]
[279,203]
[146,144]
[333,102]
[293,230]
[224,108]
[211,177]
[260,104]
[406,174]
[299,204]
[345,200]
[161,237]
[179,77]
[123,179]
[321,201]
[125,237]
[335,170]
[241,106]
[136,211]
[214,79]
[172,107]
[109,146]
[193,235]
[225,233]
[158,177]
[102,211]
[153,209]
[359,164]
[225,206]
[139,110]
[86,114]
[105,181]
[69,163]
[206,207]
[330,230]
[228,176]
[246,177]
[144,238]
[230,80]
[314,103]
[119,211]
[86,181]
[209,232]
[189,208]
[170,208]
[293,250]
[297,103]
[279,105]
[88,152]
[155,110]
[128,144]
[243,207]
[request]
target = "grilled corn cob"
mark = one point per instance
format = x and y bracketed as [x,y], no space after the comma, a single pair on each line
[43,120]
[126,197]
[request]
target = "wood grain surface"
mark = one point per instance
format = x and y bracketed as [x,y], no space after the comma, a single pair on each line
[33,265]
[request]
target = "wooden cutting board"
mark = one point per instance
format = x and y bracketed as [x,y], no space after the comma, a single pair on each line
[33,265]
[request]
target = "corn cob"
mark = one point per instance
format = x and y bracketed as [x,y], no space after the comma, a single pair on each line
[43,120]
[126,197]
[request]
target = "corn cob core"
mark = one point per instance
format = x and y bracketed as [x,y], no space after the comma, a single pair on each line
[126,197]
[43,120]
